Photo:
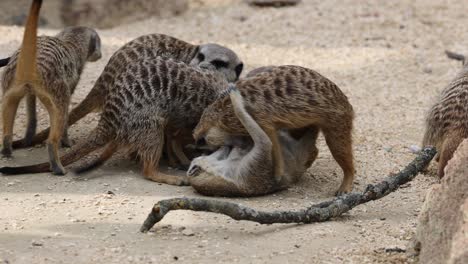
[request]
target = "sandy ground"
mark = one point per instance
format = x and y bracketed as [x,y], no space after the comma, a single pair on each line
[387,56]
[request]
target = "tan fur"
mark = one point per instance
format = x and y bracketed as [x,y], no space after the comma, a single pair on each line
[289,97]
[447,121]
[245,166]
[35,72]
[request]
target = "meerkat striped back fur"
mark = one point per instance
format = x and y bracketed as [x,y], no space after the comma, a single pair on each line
[48,68]
[146,99]
[212,56]
[447,120]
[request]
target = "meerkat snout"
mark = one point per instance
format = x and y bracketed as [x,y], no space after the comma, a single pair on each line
[94,50]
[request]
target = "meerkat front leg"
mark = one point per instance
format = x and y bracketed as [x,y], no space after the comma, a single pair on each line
[65,141]
[179,152]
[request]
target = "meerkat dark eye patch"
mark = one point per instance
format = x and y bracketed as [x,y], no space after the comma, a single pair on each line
[200,57]
[238,69]
[219,64]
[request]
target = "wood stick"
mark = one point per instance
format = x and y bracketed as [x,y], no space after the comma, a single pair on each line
[316,213]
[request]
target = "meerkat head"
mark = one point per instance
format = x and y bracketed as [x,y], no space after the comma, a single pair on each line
[218,58]
[87,37]
[210,123]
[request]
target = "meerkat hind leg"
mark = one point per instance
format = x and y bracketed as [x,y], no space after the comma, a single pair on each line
[277,153]
[340,144]
[57,124]
[11,100]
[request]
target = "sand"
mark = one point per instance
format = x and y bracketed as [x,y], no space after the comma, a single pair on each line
[387,56]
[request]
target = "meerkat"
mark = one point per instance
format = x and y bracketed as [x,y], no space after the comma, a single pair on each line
[289,97]
[447,120]
[146,99]
[244,165]
[48,68]
[148,47]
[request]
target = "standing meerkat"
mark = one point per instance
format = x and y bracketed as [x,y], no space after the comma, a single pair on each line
[212,56]
[289,97]
[244,166]
[49,68]
[146,99]
[447,120]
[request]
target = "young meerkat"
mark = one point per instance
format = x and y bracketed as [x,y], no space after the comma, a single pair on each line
[149,47]
[146,99]
[289,97]
[48,68]
[447,120]
[244,165]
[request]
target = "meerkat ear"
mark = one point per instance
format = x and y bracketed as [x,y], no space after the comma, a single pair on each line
[239,68]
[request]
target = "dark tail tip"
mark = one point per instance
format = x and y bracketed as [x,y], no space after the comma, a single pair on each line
[4,62]
[10,170]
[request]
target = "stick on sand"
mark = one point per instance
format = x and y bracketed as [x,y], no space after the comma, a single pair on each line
[316,213]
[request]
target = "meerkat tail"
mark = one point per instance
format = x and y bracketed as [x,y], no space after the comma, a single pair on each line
[4,62]
[26,68]
[109,150]
[76,153]
[455,56]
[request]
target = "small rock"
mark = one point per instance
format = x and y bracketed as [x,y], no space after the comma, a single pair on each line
[188,232]
[273,3]
[414,148]
[427,70]
[388,149]
[37,243]
[110,192]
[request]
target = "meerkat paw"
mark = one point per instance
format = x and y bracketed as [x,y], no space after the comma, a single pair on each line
[184,181]
[343,190]
[7,152]
[7,149]
[58,170]
[193,170]
[66,142]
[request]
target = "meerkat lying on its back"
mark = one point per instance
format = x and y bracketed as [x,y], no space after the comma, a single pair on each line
[289,97]
[244,166]
[49,68]
[447,121]
[147,99]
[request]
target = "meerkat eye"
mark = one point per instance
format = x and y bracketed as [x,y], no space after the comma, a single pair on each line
[219,64]
[200,57]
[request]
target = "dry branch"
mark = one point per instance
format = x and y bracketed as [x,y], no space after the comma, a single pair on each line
[316,213]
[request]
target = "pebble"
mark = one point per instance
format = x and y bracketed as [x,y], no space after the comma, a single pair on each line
[37,243]
[188,232]
[414,149]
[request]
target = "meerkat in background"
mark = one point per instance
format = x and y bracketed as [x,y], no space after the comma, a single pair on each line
[146,99]
[289,97]
[211,56]
[244,167]
[447,120]
[49,68]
